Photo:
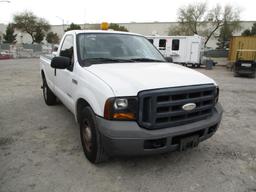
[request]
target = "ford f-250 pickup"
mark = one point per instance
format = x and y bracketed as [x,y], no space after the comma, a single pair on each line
[127,99]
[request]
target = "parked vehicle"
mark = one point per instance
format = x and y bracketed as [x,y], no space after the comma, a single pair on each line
[186,50]
[126,98]
[245,66]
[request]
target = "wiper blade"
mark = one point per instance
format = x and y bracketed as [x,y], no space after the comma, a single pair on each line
[146,60]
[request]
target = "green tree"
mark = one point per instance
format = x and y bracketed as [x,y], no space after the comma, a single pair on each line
[246,32]
[253,30]
[224,36]
[9,36]
[52,38]
[28,22]
[73,26]
[117,27]
[197,19]
[39,35]
[250,32]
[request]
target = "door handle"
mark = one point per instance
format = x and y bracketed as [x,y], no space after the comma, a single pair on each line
[74,81]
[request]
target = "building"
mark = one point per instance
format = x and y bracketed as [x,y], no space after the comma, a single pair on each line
[149,28]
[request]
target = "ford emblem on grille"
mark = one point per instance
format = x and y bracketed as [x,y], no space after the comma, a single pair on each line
[189,106]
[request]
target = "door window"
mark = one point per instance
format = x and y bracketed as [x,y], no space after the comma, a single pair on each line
[67,50]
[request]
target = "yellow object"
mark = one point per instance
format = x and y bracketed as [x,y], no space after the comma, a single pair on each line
[241,47]
[126,116]
[104,26]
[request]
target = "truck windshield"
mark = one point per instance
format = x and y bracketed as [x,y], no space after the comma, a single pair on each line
[100,48]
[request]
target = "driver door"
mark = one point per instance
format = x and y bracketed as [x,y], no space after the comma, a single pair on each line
[64,86]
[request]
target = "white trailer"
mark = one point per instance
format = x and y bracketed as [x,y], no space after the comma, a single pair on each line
[182,49]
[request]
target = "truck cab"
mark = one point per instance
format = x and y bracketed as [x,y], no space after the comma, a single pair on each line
[126,98]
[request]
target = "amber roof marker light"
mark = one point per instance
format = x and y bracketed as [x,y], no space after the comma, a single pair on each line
[104,26]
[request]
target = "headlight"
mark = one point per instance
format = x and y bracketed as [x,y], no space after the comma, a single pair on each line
[120,103]
[217,95]
[124,108]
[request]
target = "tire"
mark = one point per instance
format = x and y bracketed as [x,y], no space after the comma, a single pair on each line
[91,138]
[49,97]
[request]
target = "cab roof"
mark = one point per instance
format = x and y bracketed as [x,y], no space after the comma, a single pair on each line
[101,31]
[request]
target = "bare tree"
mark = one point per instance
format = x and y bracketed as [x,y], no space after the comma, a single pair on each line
[218,17]
[197,19]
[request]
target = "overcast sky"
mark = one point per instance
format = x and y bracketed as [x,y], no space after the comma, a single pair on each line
[96,11]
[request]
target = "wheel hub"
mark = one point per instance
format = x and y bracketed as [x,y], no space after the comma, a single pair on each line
[87,136]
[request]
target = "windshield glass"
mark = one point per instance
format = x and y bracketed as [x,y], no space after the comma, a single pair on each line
[95,48]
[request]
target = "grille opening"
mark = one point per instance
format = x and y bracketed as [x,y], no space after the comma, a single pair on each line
[162,120]
[208,102]
[198,104]
[176,108]
[207,93]
[178,117]
[163,98]
[155,143]
[146,109]
[212,129]
[176,139]
[163,109]
[179,97]
[194,95]
[190,115]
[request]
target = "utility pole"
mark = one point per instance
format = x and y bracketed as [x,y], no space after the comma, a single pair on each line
[63,23]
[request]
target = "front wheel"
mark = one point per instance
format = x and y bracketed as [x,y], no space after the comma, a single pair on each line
[91,138]
[49,97]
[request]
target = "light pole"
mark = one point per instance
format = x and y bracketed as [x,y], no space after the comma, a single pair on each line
[63,23]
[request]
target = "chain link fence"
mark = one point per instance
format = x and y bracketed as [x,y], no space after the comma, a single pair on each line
[25,50]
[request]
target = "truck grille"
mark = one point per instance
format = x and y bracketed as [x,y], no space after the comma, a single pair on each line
[162,108]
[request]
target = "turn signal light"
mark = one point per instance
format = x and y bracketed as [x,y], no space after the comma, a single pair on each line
[121,108]
[124,116]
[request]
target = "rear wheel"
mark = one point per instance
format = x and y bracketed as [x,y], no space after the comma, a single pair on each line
[49,97]
[91,138]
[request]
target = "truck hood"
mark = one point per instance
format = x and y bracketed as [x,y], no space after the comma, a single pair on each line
[127,79]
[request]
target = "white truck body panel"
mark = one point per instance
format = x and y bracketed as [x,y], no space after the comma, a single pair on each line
[97,83]
[189,49]
[128,79]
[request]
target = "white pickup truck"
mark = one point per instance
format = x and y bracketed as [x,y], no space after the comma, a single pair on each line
[126,98]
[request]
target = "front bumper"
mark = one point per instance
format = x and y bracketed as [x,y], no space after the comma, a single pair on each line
[128,138]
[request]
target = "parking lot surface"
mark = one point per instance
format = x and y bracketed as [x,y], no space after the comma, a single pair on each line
[40,148]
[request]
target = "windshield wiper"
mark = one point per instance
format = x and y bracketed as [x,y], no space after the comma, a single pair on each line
[105,60]
[146,60]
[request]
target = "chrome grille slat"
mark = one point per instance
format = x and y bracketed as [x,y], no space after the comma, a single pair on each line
[180,112]
[162,108]
[171,103]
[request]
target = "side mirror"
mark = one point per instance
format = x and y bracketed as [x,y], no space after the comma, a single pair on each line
[169,59]
[60,62]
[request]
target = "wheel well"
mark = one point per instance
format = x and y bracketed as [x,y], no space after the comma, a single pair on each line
[42,74]
[81,103]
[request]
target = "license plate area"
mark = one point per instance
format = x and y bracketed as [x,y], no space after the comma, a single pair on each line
[188,142]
